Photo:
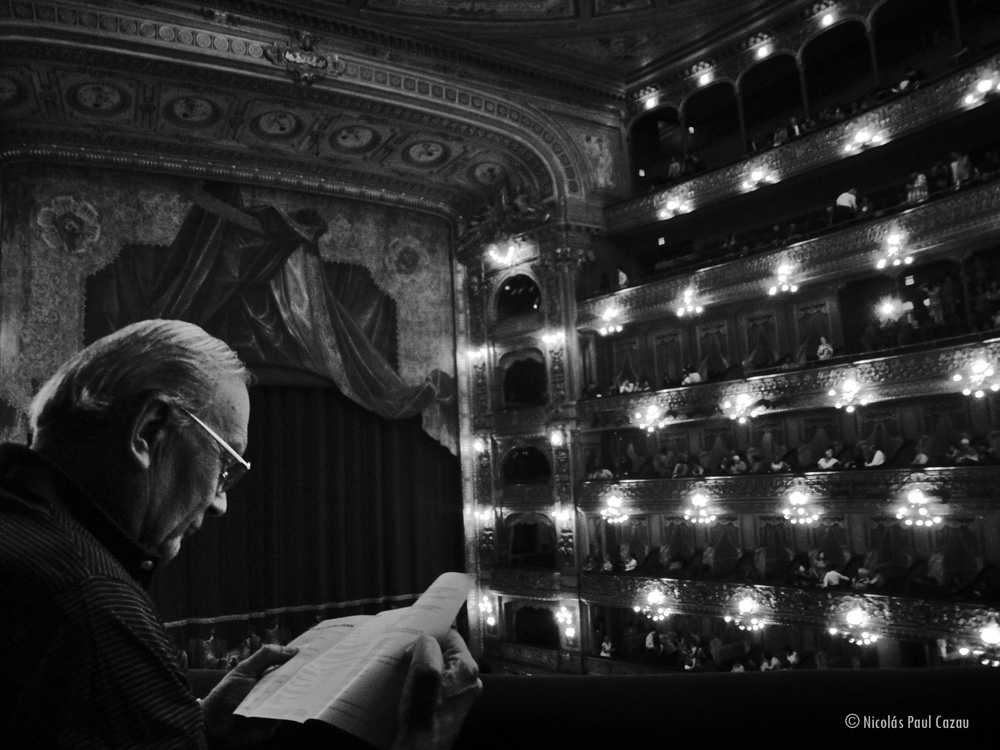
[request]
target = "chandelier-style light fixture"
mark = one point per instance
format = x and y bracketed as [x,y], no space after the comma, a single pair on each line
[745,619]
[915,512]
[759,176]
[611,322]
[979,373]
[856,630]
[987,85]
[688,306]
[613,512]
[742,408]
[893,255]
[783,284]
[486,610]
[864,138]
[850,395]
[673,207]
[654,608]
[799,510]
[565,618]
[700,512]
[653,418]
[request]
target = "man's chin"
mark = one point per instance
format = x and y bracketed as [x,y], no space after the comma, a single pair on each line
[169,549]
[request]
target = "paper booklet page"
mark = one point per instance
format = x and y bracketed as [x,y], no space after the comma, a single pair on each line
[349,672]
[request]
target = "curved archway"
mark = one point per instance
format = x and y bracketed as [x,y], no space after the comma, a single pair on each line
[712,117]
[655,138]
[525,381]
[526,465]
[771,93]
[838,69]
[536,626]
[912,33]
[517,295]
[531,540]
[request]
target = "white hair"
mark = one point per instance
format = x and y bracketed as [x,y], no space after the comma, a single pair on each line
[169,358]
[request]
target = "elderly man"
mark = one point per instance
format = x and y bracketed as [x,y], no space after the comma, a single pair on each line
[136,439]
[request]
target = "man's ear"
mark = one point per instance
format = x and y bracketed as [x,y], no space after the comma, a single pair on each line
[148,430]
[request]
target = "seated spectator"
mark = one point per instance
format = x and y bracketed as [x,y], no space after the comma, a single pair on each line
[967,453]
[644,385]
[674,170]
[962,172]
[778,466]
[874,457]
[846,207]
[828,461]
[834,579]
[916,189]
[691,376]
[663,463]
[737,466]
[825,350]
[921,457]
[912,79]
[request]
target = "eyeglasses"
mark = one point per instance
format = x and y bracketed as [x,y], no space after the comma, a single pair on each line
[234,471]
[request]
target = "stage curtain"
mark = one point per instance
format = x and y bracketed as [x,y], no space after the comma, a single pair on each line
[252,276]
[342,512]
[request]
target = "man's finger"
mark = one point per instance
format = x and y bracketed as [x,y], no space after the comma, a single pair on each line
[263,659]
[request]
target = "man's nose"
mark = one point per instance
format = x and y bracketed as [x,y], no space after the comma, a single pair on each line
[218,506]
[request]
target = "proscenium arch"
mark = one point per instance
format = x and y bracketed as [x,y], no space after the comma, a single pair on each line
[367,86]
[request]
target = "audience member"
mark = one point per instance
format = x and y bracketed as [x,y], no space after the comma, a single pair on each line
[825,349]
[828,461]
[846,207]
[135,441]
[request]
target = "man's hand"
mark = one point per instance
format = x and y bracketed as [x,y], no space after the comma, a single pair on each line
[220,723]
[441,686]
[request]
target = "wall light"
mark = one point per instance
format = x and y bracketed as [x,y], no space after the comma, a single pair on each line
[672,208]
[611,324]
[979,372]
[783,284]
[700,512]
[894,254]
[759,176]
[827,20]
[688,306]
[705,78]
[763,51]
[613,513]
[863,139]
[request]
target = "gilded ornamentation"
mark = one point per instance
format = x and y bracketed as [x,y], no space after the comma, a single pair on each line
[905,375]
[893,616]
[70,224]
[899,117]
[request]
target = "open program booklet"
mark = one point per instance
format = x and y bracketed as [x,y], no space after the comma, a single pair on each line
[349,672]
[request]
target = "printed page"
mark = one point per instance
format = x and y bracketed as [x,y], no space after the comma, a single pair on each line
[353,674]
[313,643]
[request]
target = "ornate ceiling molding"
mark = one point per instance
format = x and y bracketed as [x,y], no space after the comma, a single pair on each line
[238,62]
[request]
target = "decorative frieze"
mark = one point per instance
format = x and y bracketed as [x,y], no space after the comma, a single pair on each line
[899,617]
[967,490]
[895,119]
[909,375]
[936,228]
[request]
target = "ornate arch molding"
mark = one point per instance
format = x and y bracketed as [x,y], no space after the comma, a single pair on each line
[237,60]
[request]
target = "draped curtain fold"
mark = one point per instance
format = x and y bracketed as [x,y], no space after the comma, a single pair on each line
[761,348]
[812,325]
[253,277]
